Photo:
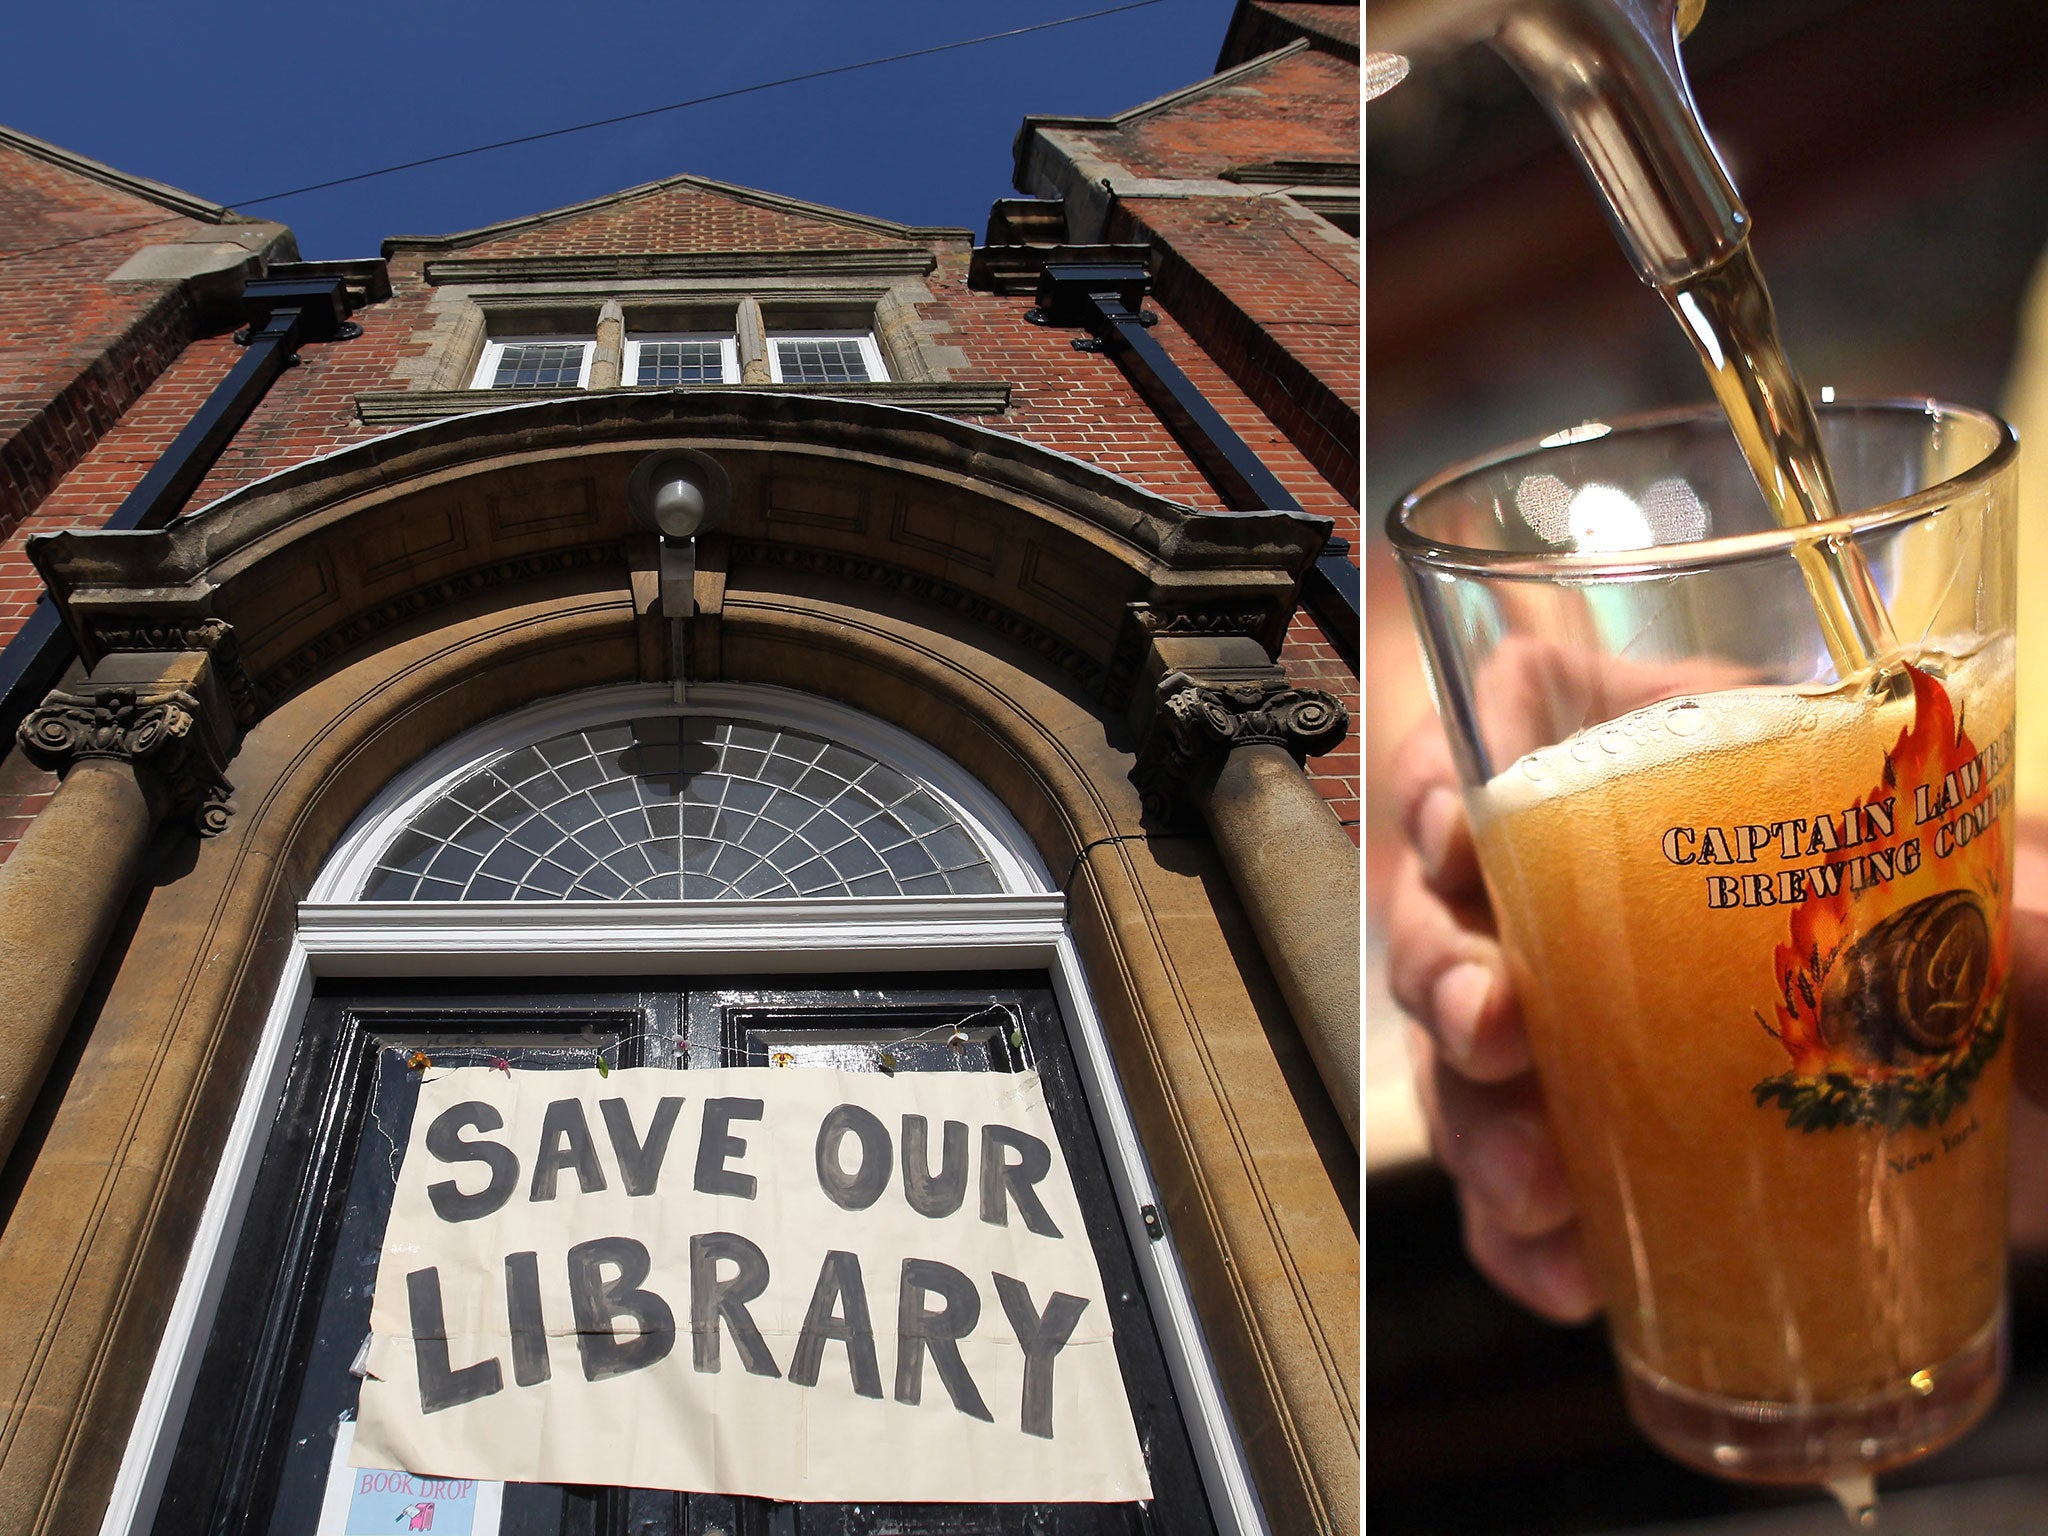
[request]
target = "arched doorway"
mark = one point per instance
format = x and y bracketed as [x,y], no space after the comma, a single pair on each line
[1006,608]
[785,881]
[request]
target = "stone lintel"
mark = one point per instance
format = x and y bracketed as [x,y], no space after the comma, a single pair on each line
[403,407]
[723,265]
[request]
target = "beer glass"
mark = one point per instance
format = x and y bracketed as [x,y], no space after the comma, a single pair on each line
[1754,897]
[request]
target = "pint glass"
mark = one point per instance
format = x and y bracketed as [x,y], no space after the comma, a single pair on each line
[1754,896]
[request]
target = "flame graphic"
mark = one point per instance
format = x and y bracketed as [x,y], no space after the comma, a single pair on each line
[1823,927]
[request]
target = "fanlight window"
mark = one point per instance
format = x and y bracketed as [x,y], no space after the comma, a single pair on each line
[681,808]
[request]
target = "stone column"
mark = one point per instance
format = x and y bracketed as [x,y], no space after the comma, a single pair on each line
[752,334]
[145,738]
[608,359]
[1232,749]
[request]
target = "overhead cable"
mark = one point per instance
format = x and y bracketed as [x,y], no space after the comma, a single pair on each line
[694,101]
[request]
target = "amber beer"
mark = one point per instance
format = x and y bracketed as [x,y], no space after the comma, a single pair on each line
[1761,938]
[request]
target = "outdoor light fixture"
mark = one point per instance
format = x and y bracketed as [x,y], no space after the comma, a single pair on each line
[679,493]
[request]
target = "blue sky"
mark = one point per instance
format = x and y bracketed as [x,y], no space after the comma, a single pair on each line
[230,99]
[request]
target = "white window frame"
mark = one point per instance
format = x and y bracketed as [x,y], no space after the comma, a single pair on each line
[728,355]
[1023,928]
[870,351]
[494,349]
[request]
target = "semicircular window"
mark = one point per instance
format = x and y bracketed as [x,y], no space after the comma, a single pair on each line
[689,808]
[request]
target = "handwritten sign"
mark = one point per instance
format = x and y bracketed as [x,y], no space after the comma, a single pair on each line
[791,1284]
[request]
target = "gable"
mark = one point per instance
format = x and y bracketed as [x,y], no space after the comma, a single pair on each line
[1303,105]
[680,214]
[1260,26]
[56,183]
[1293,104]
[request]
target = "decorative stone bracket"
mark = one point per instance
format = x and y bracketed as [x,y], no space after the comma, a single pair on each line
[216,637]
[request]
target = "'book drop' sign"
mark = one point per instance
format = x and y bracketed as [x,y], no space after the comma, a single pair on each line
[786,1283]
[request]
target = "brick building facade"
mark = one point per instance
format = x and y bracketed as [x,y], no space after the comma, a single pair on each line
[1084,559]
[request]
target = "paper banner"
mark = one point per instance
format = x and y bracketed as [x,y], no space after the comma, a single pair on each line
[786,1283]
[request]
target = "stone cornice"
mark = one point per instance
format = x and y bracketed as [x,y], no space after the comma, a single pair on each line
[1342,174]
[172,571]
[313,564]
[406,407]
[626,266]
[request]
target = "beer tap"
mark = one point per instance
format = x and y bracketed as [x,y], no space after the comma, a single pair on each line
[1608,73]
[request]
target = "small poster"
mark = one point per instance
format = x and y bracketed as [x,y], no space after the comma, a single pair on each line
[795,1284]
[375,1501]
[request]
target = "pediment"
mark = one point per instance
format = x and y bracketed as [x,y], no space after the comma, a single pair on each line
[681,215]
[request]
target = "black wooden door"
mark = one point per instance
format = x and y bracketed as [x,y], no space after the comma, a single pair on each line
[278,1372]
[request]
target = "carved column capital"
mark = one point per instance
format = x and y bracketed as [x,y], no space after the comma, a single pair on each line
[163,732]
[1196,723]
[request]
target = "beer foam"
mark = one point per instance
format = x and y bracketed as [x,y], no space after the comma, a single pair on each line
[1711,737]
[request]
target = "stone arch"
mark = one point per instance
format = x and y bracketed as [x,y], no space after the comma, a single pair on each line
[1050,554]
[1004,603]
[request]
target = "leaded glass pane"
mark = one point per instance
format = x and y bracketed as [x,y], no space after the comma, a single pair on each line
[666,808]
[681,362]
[539,365]
[821,360]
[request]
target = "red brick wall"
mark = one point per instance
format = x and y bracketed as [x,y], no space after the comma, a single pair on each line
[1310,661]
[1260,301]
[75,350]
[1270,289]
[311,409]
[1334,22]
[104,475]
[1303,107]
[1268,24]
[1275,301]
[1078,403]
[24,791]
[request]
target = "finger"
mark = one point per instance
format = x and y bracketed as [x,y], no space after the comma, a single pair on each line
[1496,1142]
[1442,838]
[1542,1267]
[1545,1274]
[1445,968]
[1433,812]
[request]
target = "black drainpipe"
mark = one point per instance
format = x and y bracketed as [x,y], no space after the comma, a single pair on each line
[1108,298]
[284,313]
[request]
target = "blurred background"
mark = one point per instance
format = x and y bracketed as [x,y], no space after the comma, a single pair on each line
[1894,157]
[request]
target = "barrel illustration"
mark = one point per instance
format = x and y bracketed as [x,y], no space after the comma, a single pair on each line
[1910,988]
